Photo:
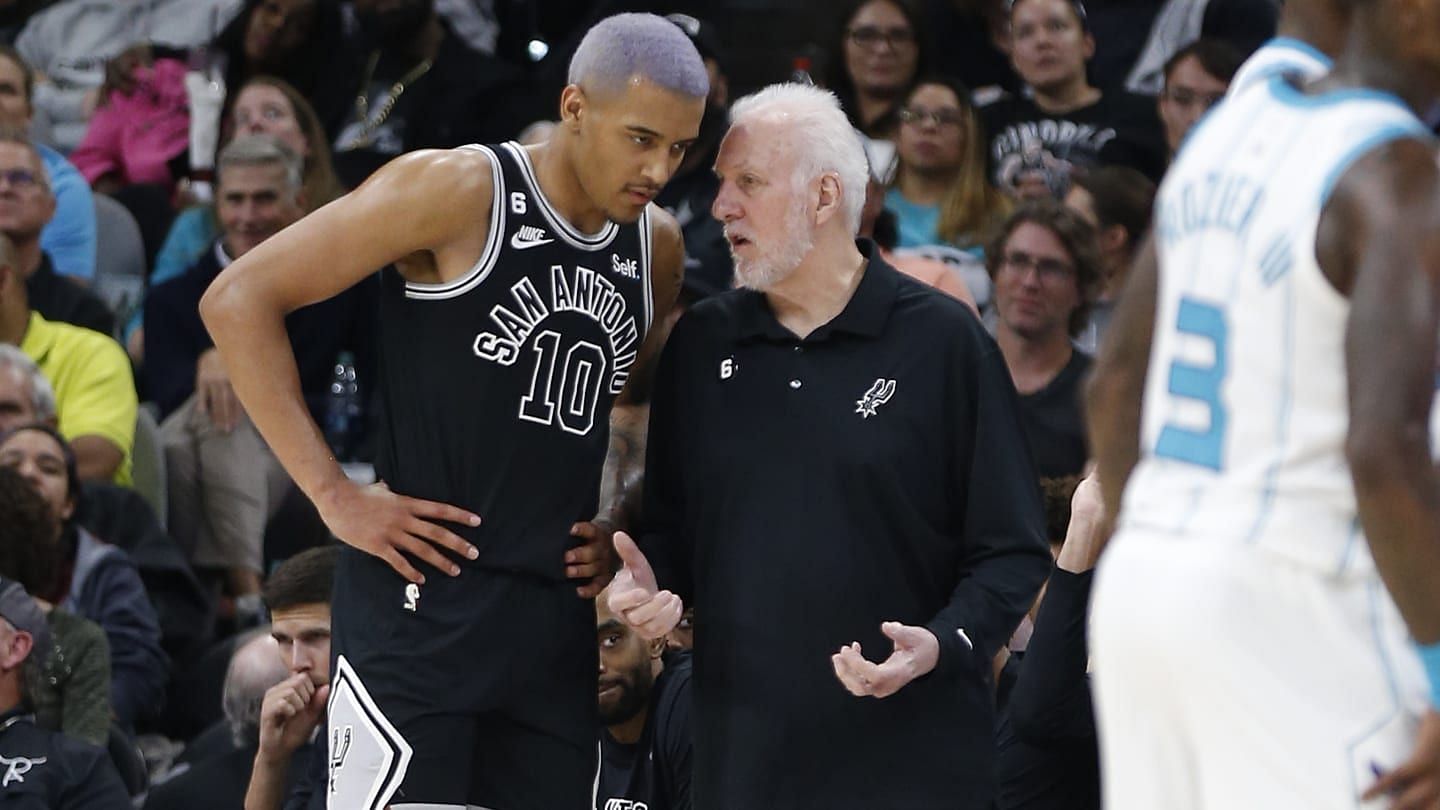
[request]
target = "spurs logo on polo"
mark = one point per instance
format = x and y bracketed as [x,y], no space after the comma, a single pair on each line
[17,767]
[878,395]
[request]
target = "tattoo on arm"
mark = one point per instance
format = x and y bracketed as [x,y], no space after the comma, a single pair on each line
[624,475]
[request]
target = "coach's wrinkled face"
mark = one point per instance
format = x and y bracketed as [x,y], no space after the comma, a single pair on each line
[631,142]
[763,204]
[628,666]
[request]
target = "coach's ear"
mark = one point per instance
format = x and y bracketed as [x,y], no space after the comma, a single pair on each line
[828,201]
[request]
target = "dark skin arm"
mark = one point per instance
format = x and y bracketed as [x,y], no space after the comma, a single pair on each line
[624,473]
[1117,384]
[1379,243]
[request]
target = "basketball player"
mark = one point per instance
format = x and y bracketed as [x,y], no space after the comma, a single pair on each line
[1267,615]
[527,280]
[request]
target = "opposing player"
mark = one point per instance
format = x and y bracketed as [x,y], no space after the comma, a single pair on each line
[527,282]
[1266,617]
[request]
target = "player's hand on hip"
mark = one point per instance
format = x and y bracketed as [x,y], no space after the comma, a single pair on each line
[916,652]
[289,714]
[636,597]
[396,528]
[594,559]
[1414,785]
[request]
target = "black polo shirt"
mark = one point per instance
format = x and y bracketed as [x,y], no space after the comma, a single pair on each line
[801,492]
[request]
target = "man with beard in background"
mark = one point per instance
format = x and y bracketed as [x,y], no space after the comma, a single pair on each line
[644,695]
[418,86]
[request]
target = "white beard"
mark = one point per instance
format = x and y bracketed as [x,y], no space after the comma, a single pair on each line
[769,269]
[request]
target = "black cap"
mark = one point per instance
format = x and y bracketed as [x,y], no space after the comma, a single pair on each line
[703,34]
[23,613]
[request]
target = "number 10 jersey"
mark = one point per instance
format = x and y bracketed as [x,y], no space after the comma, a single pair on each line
[497,387]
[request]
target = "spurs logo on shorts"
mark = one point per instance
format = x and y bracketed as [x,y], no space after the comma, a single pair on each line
[368,757]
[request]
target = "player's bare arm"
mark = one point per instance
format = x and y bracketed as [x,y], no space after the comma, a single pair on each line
[1379,242]
[417,211]
[624,473]
[1117,383]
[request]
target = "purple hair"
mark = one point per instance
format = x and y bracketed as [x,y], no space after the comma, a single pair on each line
[627,45]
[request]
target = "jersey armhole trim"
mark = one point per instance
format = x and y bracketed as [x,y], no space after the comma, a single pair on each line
[493,243]
[1376,139]
[647,224]
[562,226]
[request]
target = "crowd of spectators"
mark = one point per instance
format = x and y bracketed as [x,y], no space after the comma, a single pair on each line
[1014,153]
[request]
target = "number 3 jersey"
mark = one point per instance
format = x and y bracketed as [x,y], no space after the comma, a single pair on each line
[497,386]
[1245,409]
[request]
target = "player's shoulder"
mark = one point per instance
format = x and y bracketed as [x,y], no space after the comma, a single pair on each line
[463,174]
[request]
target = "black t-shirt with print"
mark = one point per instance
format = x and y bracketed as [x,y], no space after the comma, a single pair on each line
[1026,142]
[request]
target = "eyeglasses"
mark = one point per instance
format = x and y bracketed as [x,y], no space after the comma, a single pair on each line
[1185,97]
[944,117]
[1053,270]
[20,178]
[869,37]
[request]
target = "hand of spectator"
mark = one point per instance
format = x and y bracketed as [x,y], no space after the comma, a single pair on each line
[289,714]
[636,597]
[217,398]
[120,71]
[1414,785]
[390,526]
[1086,535]
[916,652]
[593,561]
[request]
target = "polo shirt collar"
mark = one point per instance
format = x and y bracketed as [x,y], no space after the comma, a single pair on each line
[864,315]
[39,338]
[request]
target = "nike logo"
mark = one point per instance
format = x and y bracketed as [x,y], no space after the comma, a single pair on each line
[529,236]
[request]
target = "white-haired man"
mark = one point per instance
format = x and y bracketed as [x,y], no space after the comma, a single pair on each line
[25,395]
[860,475]
[519,312]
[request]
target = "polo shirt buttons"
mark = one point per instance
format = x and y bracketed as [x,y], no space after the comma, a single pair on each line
[795,384]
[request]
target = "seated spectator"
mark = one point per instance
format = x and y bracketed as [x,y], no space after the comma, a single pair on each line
[135,135]
[878,223]
[874,64]
[645,707]
[416,85]
[225,483]
[69,687]
[293,40]
[75,774]
[218,781]
[691,191]
[69,42]
[69,237]
[1117,202]
[1048,754]
[683,636]
[264,106]
[25,395]
[974,43]
[298,596]
[27,204]
[1240,25]
[1196,79]
[940,194]
[1036,143]
[95,398]
[95,579]
[1046,274]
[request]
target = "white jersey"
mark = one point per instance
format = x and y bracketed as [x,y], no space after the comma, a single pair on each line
[1280,56]
[1245,414]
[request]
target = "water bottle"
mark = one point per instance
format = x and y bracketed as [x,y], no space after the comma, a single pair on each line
[800,71]
[342,409]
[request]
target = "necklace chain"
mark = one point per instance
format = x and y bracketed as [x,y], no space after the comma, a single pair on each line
[368,125]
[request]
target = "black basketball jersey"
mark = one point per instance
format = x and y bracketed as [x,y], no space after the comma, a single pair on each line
[497,386]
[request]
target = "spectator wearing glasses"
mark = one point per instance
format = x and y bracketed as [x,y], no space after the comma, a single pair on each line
[940,195]
[1046,274]
[1068,124]
[1196,79]
[875,63]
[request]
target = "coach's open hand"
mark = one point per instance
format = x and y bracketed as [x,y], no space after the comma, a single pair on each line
[1416,784]
[594,560]
[637,599]
[380,522]
[289,714]
[916,653]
